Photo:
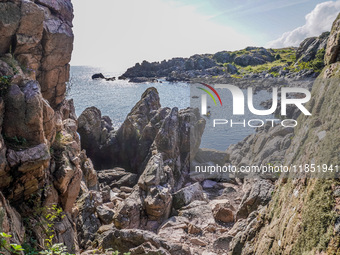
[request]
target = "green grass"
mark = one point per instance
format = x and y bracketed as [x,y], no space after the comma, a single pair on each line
[236,76]
[15,142]
[287,56]
[5,83]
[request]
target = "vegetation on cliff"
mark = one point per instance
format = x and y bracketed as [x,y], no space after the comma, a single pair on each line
[251,62]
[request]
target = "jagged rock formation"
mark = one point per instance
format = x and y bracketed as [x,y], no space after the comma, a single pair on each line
[142,199]
[153,142]
[42,164]
[148,129]
[310,46]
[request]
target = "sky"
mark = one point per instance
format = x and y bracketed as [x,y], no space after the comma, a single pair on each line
[116,34]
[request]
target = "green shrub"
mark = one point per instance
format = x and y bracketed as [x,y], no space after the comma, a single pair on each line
[12,248]
[116,252]
[275,74]
[15,142]
[57,248]
[5,83]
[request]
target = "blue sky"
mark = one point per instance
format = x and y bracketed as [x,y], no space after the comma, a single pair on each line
[118,33]
[264,20]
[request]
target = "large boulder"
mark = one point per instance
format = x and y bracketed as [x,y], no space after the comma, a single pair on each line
[223,57]
[9,21]
[223,210]
[26,103]
[310,47]
[258,193]
[187,195]
[117,177]
[200,216]
[153,195]
[139,242]
[130,213]
[87,223]
[136,134]
[92,133]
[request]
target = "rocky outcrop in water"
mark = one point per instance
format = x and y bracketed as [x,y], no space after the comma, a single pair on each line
[101,76]
[280,66]
[145,132]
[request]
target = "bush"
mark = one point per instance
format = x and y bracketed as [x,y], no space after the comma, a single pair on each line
[5,83]
[12,248]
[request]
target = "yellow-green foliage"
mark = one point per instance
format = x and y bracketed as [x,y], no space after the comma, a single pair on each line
[236,76]
[286,56]
[12,248]
[5,83]
[61,140]
[15,142]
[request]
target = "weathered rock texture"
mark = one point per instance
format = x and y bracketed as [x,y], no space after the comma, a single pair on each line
[147,130]
[42,166]
[310,47]
[39,35]
[153,143]
[302,217]
[142,199]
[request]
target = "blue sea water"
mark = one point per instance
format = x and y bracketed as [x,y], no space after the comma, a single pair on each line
[116,99]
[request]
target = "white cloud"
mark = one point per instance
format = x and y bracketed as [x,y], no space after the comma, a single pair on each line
[317,21]
[118,33]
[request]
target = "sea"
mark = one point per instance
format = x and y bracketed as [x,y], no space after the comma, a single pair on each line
[116,99]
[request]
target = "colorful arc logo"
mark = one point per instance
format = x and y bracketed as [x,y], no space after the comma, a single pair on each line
[209,93]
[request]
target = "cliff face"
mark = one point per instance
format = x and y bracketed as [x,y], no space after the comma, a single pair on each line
[39,35]
[49,190]
[41,162]
[303,215]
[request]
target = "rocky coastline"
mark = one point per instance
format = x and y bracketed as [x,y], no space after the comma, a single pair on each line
[279,66]
[74,185]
